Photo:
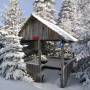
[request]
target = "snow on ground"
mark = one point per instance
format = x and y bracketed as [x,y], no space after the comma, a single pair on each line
[16,85]
[50,83]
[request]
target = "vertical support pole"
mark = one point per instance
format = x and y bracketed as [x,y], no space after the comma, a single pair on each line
[39,52]
[62,66]
[54,48]
[39,59]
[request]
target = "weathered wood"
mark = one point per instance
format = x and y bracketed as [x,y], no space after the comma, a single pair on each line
[39,54]
[66,71]
[36,28]
[62,68]
[34,71]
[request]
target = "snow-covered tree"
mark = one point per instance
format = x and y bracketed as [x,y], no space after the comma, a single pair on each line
[12,14]
[45,8]
[81,29]
[11,56]
[75,19]
[12,64]
[66,17]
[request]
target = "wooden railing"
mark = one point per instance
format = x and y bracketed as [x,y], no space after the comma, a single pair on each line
[66,70]
[34,70]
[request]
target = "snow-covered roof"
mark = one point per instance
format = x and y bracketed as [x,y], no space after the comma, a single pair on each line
[55,28]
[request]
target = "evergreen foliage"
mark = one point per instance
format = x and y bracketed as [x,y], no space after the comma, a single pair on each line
[45,8]
[12,64]
[74,17]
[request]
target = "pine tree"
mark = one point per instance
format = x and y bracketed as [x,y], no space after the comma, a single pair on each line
[45,8]
[74,18]
[82,49]
[66,17]
[12,64]
[13,14]
[11,55]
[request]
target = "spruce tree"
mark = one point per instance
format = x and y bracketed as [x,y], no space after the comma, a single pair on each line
[45,8]
[12,14]
[12,64]
[66,16]
[74,18]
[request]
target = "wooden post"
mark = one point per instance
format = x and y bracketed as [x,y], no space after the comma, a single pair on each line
[39,52]
[62,66]
[54,49]
[39,59]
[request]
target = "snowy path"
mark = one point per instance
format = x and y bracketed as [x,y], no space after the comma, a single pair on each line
[49,84]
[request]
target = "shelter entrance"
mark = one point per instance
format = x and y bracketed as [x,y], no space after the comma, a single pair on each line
[44,56]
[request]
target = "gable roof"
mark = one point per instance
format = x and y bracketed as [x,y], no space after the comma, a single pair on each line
[53,27]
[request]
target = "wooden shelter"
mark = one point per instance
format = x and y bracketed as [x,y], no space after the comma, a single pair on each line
[38,29]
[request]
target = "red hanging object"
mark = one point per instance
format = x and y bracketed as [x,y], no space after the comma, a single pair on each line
[35,37]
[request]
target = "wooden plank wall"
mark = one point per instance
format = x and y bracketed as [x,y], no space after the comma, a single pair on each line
[36,28]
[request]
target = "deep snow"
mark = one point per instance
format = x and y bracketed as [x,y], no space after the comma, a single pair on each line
[51,83]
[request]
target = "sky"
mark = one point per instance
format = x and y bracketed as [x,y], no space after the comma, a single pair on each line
[26,6]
